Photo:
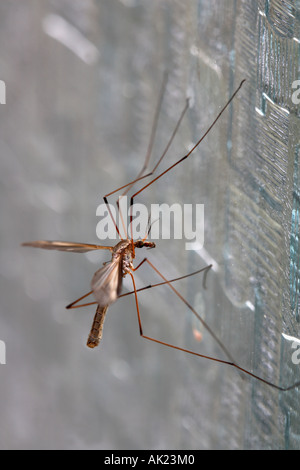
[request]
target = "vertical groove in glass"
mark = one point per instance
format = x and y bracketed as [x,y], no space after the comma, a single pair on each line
[294,241]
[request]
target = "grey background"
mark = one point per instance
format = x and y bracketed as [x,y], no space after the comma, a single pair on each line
[81,95]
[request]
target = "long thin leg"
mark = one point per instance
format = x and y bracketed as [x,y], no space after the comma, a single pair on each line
[227,353]
[181,159]
[145,165]
[205,270]
[73,304]
[159,161]
[170,280]
[152,136]
[231,362]
[140,176]
[192,150]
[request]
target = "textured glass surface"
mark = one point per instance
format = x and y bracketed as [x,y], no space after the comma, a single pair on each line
[82,82]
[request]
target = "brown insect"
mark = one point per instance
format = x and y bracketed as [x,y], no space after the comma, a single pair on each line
[106,284]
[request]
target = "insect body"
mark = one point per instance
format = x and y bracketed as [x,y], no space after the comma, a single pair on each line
[107,281]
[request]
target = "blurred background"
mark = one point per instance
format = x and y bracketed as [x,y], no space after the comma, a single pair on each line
[82,81]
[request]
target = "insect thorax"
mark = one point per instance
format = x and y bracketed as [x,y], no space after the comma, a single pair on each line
[124,249]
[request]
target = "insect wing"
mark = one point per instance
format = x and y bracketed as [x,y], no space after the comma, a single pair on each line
[66,246]
[107,282]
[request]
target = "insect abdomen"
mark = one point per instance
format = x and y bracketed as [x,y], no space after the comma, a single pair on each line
[97,327]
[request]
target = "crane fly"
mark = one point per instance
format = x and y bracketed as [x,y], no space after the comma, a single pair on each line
[106,284]
[107,281]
